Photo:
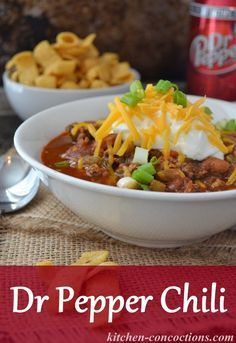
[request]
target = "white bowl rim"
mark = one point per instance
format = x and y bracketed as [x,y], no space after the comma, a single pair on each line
[117,88]
[112,190]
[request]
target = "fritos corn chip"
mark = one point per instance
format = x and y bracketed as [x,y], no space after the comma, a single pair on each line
[70,63]
[24,68]
[46,81]
[92,258]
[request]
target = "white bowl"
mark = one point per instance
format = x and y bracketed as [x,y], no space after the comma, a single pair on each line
[27,100]
[143,218]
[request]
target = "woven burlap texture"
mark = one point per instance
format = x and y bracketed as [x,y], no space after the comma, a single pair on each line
[47,230]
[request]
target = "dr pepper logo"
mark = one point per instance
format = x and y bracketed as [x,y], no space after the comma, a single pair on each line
[214,54]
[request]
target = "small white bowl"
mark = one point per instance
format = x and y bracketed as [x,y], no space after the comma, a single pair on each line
[27,100]
[149,219]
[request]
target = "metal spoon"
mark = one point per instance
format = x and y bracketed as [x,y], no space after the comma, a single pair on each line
[18,183]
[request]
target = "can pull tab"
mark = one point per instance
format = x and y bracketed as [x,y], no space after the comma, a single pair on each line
[221,12]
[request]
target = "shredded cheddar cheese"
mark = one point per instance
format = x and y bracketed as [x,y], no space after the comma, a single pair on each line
[89,126]
[232,178]
[166,148]
[110,154]
[181,158]
[117,143]
[124,146]
[127,118]
[91,130]
[104,129]
[216,141]
[158,111]
[144,142]
[183,129]
[98,146]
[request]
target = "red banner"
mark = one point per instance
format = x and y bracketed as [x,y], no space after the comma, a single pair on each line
[117,304]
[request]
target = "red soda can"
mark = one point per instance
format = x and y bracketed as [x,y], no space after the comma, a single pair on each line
[212,51]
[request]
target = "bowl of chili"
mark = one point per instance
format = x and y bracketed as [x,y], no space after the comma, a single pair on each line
[163,207]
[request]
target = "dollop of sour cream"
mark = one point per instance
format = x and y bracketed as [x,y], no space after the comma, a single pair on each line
[194,144]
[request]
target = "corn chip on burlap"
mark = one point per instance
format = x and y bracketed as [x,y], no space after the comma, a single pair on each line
[45,229]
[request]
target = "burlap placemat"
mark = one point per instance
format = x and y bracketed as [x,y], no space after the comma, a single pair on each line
[45,229]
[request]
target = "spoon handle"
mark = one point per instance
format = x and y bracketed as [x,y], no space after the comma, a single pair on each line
[11,152]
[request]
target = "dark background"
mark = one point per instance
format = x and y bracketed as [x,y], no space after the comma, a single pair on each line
[151,34]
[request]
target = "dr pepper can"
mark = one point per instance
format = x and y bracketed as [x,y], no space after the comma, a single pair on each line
[212,50]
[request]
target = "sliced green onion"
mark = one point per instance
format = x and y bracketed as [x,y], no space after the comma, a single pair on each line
[207,110]
[227,125]
[130,99]
[180,98]
[154,160]
[142,176]
[148,168]
[136,88]
[230,125]
[62,164]
[135,95]
[140,155]
[144,187]
[163,86]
